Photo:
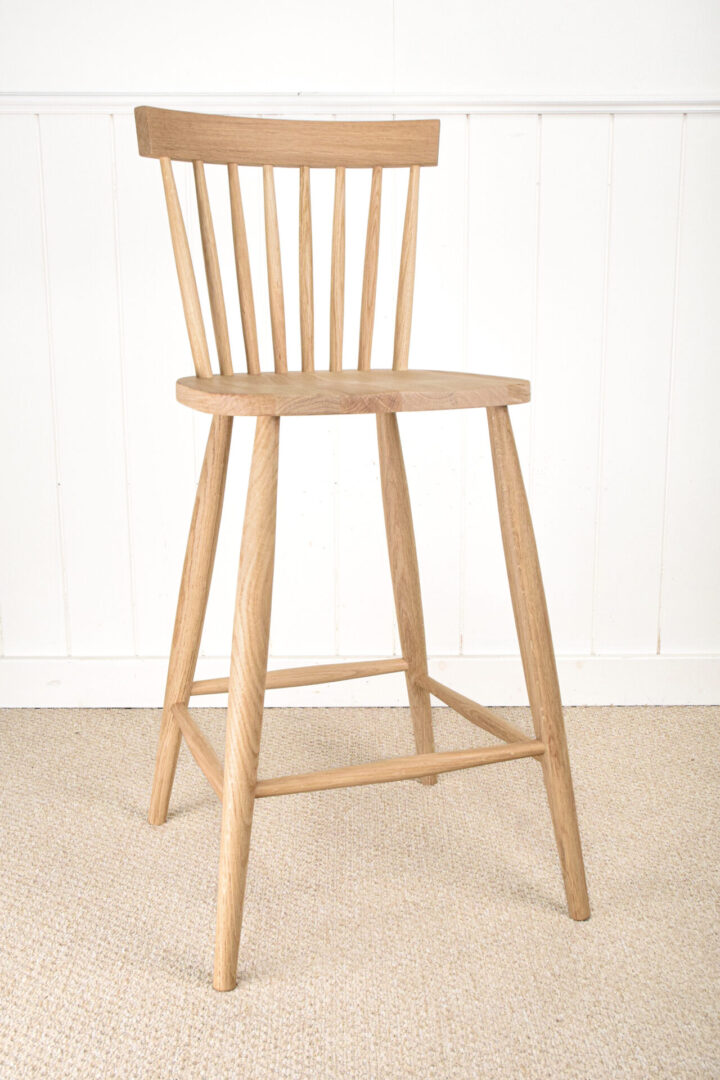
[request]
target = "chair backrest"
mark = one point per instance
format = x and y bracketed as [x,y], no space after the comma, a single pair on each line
[232,141]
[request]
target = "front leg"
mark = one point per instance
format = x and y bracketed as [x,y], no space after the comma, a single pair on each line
[248,671]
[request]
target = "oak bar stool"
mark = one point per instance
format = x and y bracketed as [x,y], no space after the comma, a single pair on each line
[233,141]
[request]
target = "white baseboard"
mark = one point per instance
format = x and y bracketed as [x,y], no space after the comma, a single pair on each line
[48,682]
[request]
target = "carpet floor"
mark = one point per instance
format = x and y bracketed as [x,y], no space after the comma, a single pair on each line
[390,931]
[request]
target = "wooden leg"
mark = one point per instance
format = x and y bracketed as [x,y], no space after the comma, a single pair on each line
[405,578]
[248,670]
[192,602]
[536,649]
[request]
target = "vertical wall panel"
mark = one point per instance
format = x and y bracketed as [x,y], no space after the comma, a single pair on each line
[303,621]
[365,601]
[567,379]
[433,443]
[566,249]
[218,623]
[217,631]
[638,344]
[691,570]
[31,581]
[155,353]
[364,592]
[77,164]
[304,590]
[502,263]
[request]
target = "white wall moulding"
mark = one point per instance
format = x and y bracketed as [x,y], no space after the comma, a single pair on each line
[368,104]
[572,242]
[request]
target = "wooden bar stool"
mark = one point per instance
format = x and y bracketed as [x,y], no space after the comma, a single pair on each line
[230,141]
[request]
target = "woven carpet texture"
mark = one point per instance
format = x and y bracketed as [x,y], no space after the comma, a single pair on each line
[390,931]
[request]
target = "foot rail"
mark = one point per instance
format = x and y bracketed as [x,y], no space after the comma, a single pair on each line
[400,768]
[310,676]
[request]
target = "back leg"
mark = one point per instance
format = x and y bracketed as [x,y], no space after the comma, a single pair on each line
[405,578]
[192,602]
[538,657]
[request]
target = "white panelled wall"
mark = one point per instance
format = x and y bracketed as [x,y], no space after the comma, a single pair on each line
[575,247]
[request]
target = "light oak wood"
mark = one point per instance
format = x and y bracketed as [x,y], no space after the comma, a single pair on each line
[369,286]
[242,272]
[274,268]
[310,676]
[538,657]
[337,274]
[233,141]
[416,767]
[406,283]
[192,602]
[186,274]
[405,578]
[322,393]
[200,748]
[212,271]
[248,668]
[188,136]
[470,710]
[307,313]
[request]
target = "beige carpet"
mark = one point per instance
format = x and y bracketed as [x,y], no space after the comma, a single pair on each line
[390,931]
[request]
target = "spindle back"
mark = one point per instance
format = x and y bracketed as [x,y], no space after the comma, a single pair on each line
[203,139]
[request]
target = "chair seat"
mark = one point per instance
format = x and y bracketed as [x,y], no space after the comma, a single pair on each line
[321,393]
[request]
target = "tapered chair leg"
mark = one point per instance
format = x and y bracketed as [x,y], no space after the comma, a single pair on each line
[192,603]
[405,578]
[536,649]
[248,670]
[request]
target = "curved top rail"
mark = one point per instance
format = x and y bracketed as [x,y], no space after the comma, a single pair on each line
[222,140]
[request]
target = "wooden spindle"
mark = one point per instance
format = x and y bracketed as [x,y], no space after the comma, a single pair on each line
[212,271]
[274,266]
[406,282]
[306,274]
[337,274]
[186,274]
[242,270]
[372,243]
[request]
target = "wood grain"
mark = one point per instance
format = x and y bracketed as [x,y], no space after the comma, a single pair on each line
[406,282]
[242,272]
[188,136]
[538,657]
[200,748]
[212,271]
[310,676]
[186,274]
[416,767]
[248,667]
[307,313]
[268,396]
[470,710]
[337,273]
[274,269]
[369,286]
[192,603]
[405,577]
[299,393]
